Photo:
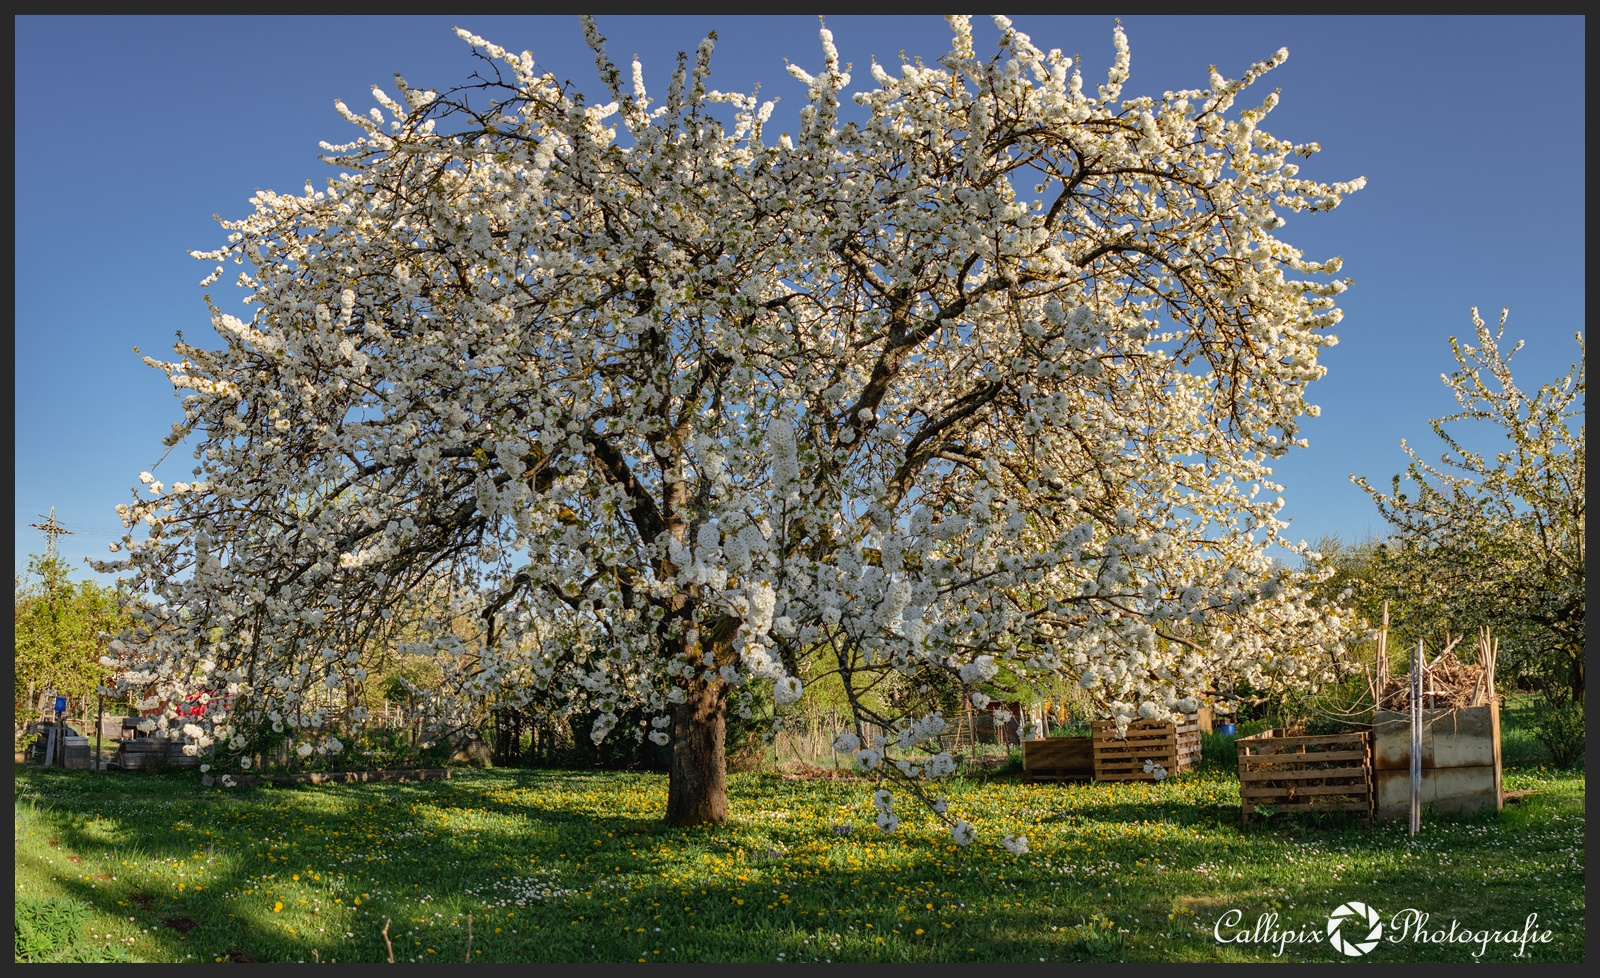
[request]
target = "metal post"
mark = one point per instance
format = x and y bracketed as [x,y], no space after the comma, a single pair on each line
[1415,825]
[1383,662]
[99,728]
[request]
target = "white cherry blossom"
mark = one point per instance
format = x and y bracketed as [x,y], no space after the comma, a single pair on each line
[986,382]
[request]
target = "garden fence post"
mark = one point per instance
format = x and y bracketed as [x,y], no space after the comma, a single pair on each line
[99,728]
[61,731]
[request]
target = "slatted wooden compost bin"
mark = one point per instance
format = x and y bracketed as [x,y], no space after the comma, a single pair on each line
[1460,760]
[1319,772]
[118,728]
[77,752]
[1058,759]
[1174,746]
[137,754]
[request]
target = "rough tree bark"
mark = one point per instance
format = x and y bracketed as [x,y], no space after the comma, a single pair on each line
[697,782]
[697,786]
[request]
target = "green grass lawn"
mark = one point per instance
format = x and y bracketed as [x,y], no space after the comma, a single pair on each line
[565,866]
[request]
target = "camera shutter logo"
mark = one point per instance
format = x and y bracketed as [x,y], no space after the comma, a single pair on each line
[1354,928]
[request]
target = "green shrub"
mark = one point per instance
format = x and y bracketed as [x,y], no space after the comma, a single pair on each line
[1559,727]
[27,744]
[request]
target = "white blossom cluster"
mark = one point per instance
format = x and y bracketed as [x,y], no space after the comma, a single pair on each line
[987,385]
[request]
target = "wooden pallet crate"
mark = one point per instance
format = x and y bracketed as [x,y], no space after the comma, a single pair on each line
[1174,746]
[137,754]
[1300,772]
[1058,759]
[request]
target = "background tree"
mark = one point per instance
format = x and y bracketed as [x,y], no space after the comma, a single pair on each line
[57,623]
[1497,538]
[987,379]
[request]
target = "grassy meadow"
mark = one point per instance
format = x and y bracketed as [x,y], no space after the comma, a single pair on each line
[574,866]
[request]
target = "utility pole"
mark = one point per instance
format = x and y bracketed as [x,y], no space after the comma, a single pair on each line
[51,528]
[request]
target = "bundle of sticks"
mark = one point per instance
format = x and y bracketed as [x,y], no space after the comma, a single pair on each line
[1447,682]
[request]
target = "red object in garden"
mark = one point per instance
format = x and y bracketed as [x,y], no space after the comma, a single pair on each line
[192,707]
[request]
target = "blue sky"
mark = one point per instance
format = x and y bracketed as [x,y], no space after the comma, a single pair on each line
[132,132]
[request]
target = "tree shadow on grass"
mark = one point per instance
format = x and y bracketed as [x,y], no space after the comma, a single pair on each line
[711,902]
[518,850]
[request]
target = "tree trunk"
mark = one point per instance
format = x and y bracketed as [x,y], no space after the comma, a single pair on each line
[697,787]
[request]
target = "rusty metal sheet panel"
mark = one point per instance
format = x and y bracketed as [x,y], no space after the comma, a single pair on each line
[1392,792]
[1457,789]
[1466,789]
[1464,737]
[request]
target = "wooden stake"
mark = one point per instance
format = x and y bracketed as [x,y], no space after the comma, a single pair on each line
[1449,645]
[1494,660]
[468,958]
[1479,692]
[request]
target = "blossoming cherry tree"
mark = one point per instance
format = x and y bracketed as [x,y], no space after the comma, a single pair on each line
[979,377]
